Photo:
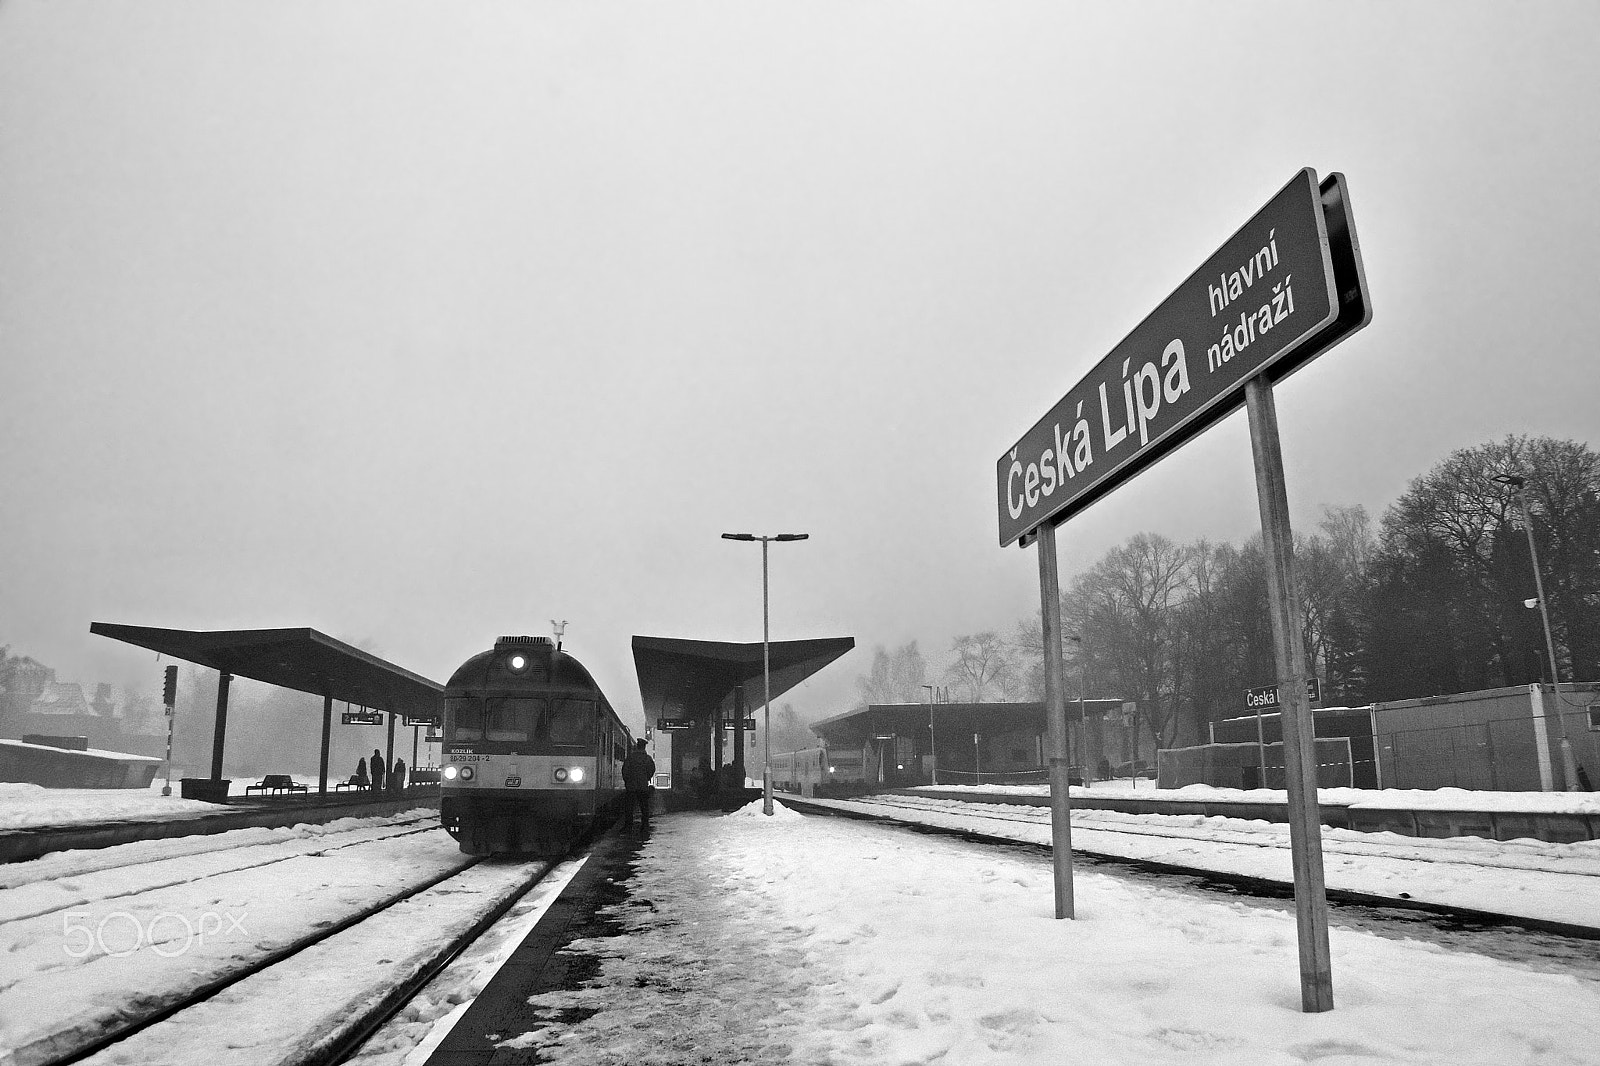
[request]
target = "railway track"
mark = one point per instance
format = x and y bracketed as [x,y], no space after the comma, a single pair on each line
[35,893]
[904,812]
[354,956]
[203,1024]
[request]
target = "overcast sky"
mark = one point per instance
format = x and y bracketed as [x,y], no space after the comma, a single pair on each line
[423,323]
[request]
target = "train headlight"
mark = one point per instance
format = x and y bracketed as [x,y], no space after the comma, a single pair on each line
[560,773]
[517,663]
[450,773]
[468,773]
[577,773]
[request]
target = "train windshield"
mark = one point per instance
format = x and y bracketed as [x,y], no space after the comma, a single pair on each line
[568,723]
[466,717]
[561,721]
[511,717]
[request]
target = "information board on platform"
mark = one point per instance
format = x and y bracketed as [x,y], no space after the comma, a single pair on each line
[674,724]
[1268,290]
[361,717]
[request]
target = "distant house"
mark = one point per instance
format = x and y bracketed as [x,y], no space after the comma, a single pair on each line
[60,697]
[23,680]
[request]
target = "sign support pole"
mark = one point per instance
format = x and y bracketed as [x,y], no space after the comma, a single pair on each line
[1261,749]
[1299,749]
[1056,719]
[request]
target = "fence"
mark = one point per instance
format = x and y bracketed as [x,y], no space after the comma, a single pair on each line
[1239,765]
[1498,754]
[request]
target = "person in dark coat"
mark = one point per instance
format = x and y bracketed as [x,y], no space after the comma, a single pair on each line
[377,770]
[361,773]
[397,776]
[638,770]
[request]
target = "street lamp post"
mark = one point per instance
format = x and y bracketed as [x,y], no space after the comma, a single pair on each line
[766,664]
[933,752]
[1569,766]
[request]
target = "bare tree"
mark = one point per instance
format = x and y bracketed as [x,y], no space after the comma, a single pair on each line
[1126,608]
[982,668]
[896,677]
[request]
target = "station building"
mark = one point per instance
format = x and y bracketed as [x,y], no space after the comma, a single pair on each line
[906,744]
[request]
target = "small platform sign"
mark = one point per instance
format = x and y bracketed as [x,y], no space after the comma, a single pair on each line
[747,724]
[361,717]
[674,724]
[429,720]
[1256,699]
[432,738]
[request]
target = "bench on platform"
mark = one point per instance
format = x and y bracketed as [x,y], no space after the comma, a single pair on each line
[275,783]
[354,782]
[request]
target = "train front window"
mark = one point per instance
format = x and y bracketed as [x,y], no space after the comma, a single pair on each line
[466,716]
[510,717]
[568,723]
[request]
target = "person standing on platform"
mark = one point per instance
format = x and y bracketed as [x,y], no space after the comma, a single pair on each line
[361,773]
[397,776]
[377,770]
[638,769]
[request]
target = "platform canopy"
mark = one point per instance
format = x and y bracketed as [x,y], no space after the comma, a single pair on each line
[301,659]
[853,728]
[693,678]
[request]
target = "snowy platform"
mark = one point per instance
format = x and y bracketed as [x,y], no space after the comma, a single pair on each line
[796,938]
[1558,817]
[36,821]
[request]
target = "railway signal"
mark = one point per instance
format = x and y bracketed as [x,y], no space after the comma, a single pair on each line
[169,698]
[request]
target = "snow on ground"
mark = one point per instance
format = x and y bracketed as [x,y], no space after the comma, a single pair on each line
[795,938]
[252,849]
[76,970]
[1522,878]
[26,806]
[60,864]
[290,1013]
[1436,799]
[413,1034]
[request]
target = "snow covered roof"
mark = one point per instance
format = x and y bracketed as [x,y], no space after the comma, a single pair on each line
[98,753]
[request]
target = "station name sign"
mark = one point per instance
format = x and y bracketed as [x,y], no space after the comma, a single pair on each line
[361,717]
[1256,699]
[429,720]
[746,724]
[1277,287]
[674,724]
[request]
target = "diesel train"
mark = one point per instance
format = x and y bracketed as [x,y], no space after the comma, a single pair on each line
[817,771]
[532,751]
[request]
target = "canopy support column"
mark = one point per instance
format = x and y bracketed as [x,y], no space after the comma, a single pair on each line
[218,737]
[388,757]
[738,734]
[327,734]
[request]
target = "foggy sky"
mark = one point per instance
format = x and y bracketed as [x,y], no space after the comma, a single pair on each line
[423,323]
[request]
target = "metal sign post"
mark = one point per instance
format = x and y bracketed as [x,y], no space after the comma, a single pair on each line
[1286,287]
[1055,704]
[1299,747]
